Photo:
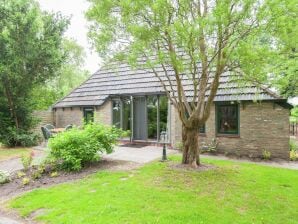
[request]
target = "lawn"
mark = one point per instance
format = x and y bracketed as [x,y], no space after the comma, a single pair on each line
[7,153]
[157,193]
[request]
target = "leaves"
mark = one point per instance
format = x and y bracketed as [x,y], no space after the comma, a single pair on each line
[30,54]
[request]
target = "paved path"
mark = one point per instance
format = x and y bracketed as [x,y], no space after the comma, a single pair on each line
[4,220]
[138,154]
[12,165]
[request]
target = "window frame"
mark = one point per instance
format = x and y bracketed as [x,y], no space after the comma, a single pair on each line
[217,106]
[85,111]
[202,129]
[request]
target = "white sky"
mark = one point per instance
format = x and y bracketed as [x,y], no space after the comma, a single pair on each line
[78,27]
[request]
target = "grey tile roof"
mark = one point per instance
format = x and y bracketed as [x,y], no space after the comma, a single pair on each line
[123,80]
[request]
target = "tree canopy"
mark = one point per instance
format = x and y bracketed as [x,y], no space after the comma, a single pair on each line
[69,76]
[199,39]
[30,54]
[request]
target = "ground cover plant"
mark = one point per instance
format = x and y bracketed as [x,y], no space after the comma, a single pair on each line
[229,192]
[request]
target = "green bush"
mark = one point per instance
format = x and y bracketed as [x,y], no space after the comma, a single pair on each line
[293,145]
[76,147]
[266,155]
[18,137]
[4,177]
[293,155]
[27,161]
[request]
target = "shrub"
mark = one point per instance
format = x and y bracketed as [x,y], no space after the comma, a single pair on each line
[20,174]
[36,174]
[179,146]
[54,174]
[293,145]
[293,155]
[266,155]
[78,146]
[18,137]
[25,181]
[4,177]
[27,160]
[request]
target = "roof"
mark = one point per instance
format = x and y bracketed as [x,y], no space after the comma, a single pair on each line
[122,79]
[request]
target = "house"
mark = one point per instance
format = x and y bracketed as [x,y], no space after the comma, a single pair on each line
[244,119]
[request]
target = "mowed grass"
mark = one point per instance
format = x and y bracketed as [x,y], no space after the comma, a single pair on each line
[157,193]
[10,153]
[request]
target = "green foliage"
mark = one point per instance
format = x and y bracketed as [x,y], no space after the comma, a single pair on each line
[293,155]
[69,76]
[198,40]
[266,155]
[230,193]
[36,174]
[19,137]
[79,146]
[27,161]
[294,115]
[4,177]
[293,145]
[54,174]
[25,181]
[210,147]
[30,54]
[20,174]
[179,146]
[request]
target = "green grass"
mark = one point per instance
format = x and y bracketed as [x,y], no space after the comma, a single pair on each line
[156,193]
[7,153]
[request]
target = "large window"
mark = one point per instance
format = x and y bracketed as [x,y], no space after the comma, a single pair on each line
[116,113]
[227,119]
[88,115]
[126,103]
[152,108]
[163,113]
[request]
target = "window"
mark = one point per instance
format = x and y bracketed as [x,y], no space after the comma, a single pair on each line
[152,107]
[116,113]
[163,113]
[88,115]
[227,119]
[126,111]
[202,129]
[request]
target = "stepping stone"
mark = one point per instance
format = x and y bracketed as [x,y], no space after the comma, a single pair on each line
[4,220]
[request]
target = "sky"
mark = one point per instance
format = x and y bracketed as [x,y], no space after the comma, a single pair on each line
[78,27]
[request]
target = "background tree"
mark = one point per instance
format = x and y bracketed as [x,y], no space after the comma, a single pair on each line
[198,40]
[30,53]
[70,75]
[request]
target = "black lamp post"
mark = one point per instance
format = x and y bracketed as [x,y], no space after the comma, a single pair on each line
[163,140]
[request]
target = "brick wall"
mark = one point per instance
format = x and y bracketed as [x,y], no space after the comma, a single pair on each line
[262,126]
[103,114]
[75,115]
[44,117]
[66,116]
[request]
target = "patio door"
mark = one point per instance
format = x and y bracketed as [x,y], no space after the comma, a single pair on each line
[139,118]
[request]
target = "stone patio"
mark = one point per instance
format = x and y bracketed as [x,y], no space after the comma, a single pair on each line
[138,153]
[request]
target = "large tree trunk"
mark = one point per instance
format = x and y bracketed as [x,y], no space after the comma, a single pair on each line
[190,140]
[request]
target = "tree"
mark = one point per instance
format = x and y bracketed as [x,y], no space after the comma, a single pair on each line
[30,53]
[69,76]
[198,40]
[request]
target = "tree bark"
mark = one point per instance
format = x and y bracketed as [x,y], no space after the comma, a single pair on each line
[11,105]
[191,152]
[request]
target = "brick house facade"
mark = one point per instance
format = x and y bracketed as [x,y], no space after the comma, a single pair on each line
[244,120]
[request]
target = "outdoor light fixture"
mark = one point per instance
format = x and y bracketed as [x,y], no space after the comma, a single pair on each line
[163,140]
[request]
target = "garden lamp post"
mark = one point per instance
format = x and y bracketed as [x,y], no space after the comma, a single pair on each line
[163,140]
